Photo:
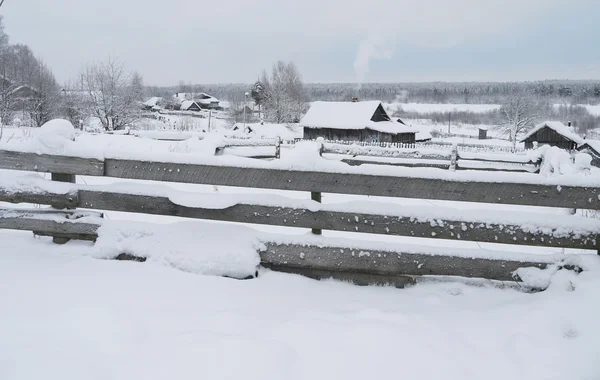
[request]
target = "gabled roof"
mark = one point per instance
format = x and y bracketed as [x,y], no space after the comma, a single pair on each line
[594,144]
[186,104]
[559,128]
[351,115]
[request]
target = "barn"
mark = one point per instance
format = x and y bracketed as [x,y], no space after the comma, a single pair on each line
[591,147]
[553,133]
[354,121]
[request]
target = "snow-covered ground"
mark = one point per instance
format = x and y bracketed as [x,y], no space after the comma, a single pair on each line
[67,316]
[440,108]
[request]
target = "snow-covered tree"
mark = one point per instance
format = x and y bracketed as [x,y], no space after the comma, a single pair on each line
[285,97]
[110,94]
[43,103]
[519,111]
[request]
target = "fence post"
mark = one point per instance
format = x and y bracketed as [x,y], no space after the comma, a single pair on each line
[61,177]
[454,157]
[278,148]
[316,196]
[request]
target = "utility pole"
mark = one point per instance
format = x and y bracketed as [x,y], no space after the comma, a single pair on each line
[209,116]
[449,116]
[245,101]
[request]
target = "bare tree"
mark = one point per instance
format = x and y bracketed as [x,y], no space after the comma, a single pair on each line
[110,94]
[519,111]
[42,104]
[284,96]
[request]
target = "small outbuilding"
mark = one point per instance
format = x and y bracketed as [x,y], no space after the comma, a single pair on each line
[553,133]
[190,105]
[354,121]
[591,147]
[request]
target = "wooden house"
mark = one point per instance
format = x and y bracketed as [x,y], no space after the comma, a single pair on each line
[189,105]
[553,133]
[354,121]
[591,147]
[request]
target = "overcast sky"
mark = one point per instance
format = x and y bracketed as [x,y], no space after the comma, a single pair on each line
[202,41]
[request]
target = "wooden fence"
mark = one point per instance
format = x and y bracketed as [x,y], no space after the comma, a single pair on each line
[320,259]
[453,160]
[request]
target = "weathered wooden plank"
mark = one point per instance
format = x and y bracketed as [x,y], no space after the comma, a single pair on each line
[344,259]
[516,168]
[344,183]
[324,219]
[357,278]
[441,164]
[60,201]
[360,184]
[45,163]
[50,223]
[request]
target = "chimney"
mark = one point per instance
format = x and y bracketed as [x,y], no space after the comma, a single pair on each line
[568,123]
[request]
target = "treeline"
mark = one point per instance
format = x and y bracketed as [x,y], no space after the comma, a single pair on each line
[549,91]
[26,83]
[579,117]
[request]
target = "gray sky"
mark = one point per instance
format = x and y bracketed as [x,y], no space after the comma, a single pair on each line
[330,40]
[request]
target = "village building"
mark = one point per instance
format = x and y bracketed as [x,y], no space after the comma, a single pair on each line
[354,121]
[591,147]
[553,133]
[189,105]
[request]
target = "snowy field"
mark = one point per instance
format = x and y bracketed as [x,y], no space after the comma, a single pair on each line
[440,108]
[77,316]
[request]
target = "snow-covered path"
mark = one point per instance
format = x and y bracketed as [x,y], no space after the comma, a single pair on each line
[66,316]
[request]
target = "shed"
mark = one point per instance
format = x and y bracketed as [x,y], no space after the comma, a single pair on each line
[591,147]
[483,132]
[553,133]
[354,121]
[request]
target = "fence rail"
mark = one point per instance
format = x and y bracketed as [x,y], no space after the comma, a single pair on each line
[322,261]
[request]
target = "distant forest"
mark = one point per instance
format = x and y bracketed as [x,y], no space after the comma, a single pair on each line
[551,91]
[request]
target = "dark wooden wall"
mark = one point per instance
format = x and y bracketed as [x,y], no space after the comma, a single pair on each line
[548,136]
[334,134]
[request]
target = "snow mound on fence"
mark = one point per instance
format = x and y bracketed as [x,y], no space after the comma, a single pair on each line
[202,248]
[57,136]
[556,161]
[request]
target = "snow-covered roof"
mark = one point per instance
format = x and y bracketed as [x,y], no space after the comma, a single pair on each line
[152,101]
[350,115]
[559,128]
[204,98]
[186,104]
[423,136]
[594,144]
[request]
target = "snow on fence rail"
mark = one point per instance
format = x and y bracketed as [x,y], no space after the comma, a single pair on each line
[317,257]
[427,145]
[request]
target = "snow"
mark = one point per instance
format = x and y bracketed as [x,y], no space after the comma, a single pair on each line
[594,144]
[186,104]
[558,127]
[152,102]
[349,115]
[442,108]
[201,248]
[72,318]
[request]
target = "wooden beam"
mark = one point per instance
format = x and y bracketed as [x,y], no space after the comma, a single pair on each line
[59,201]
[45,163]
[50,223]
[350,221]
[357,265]
[345,259]
[343,183]
[441,164]
[359,184]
